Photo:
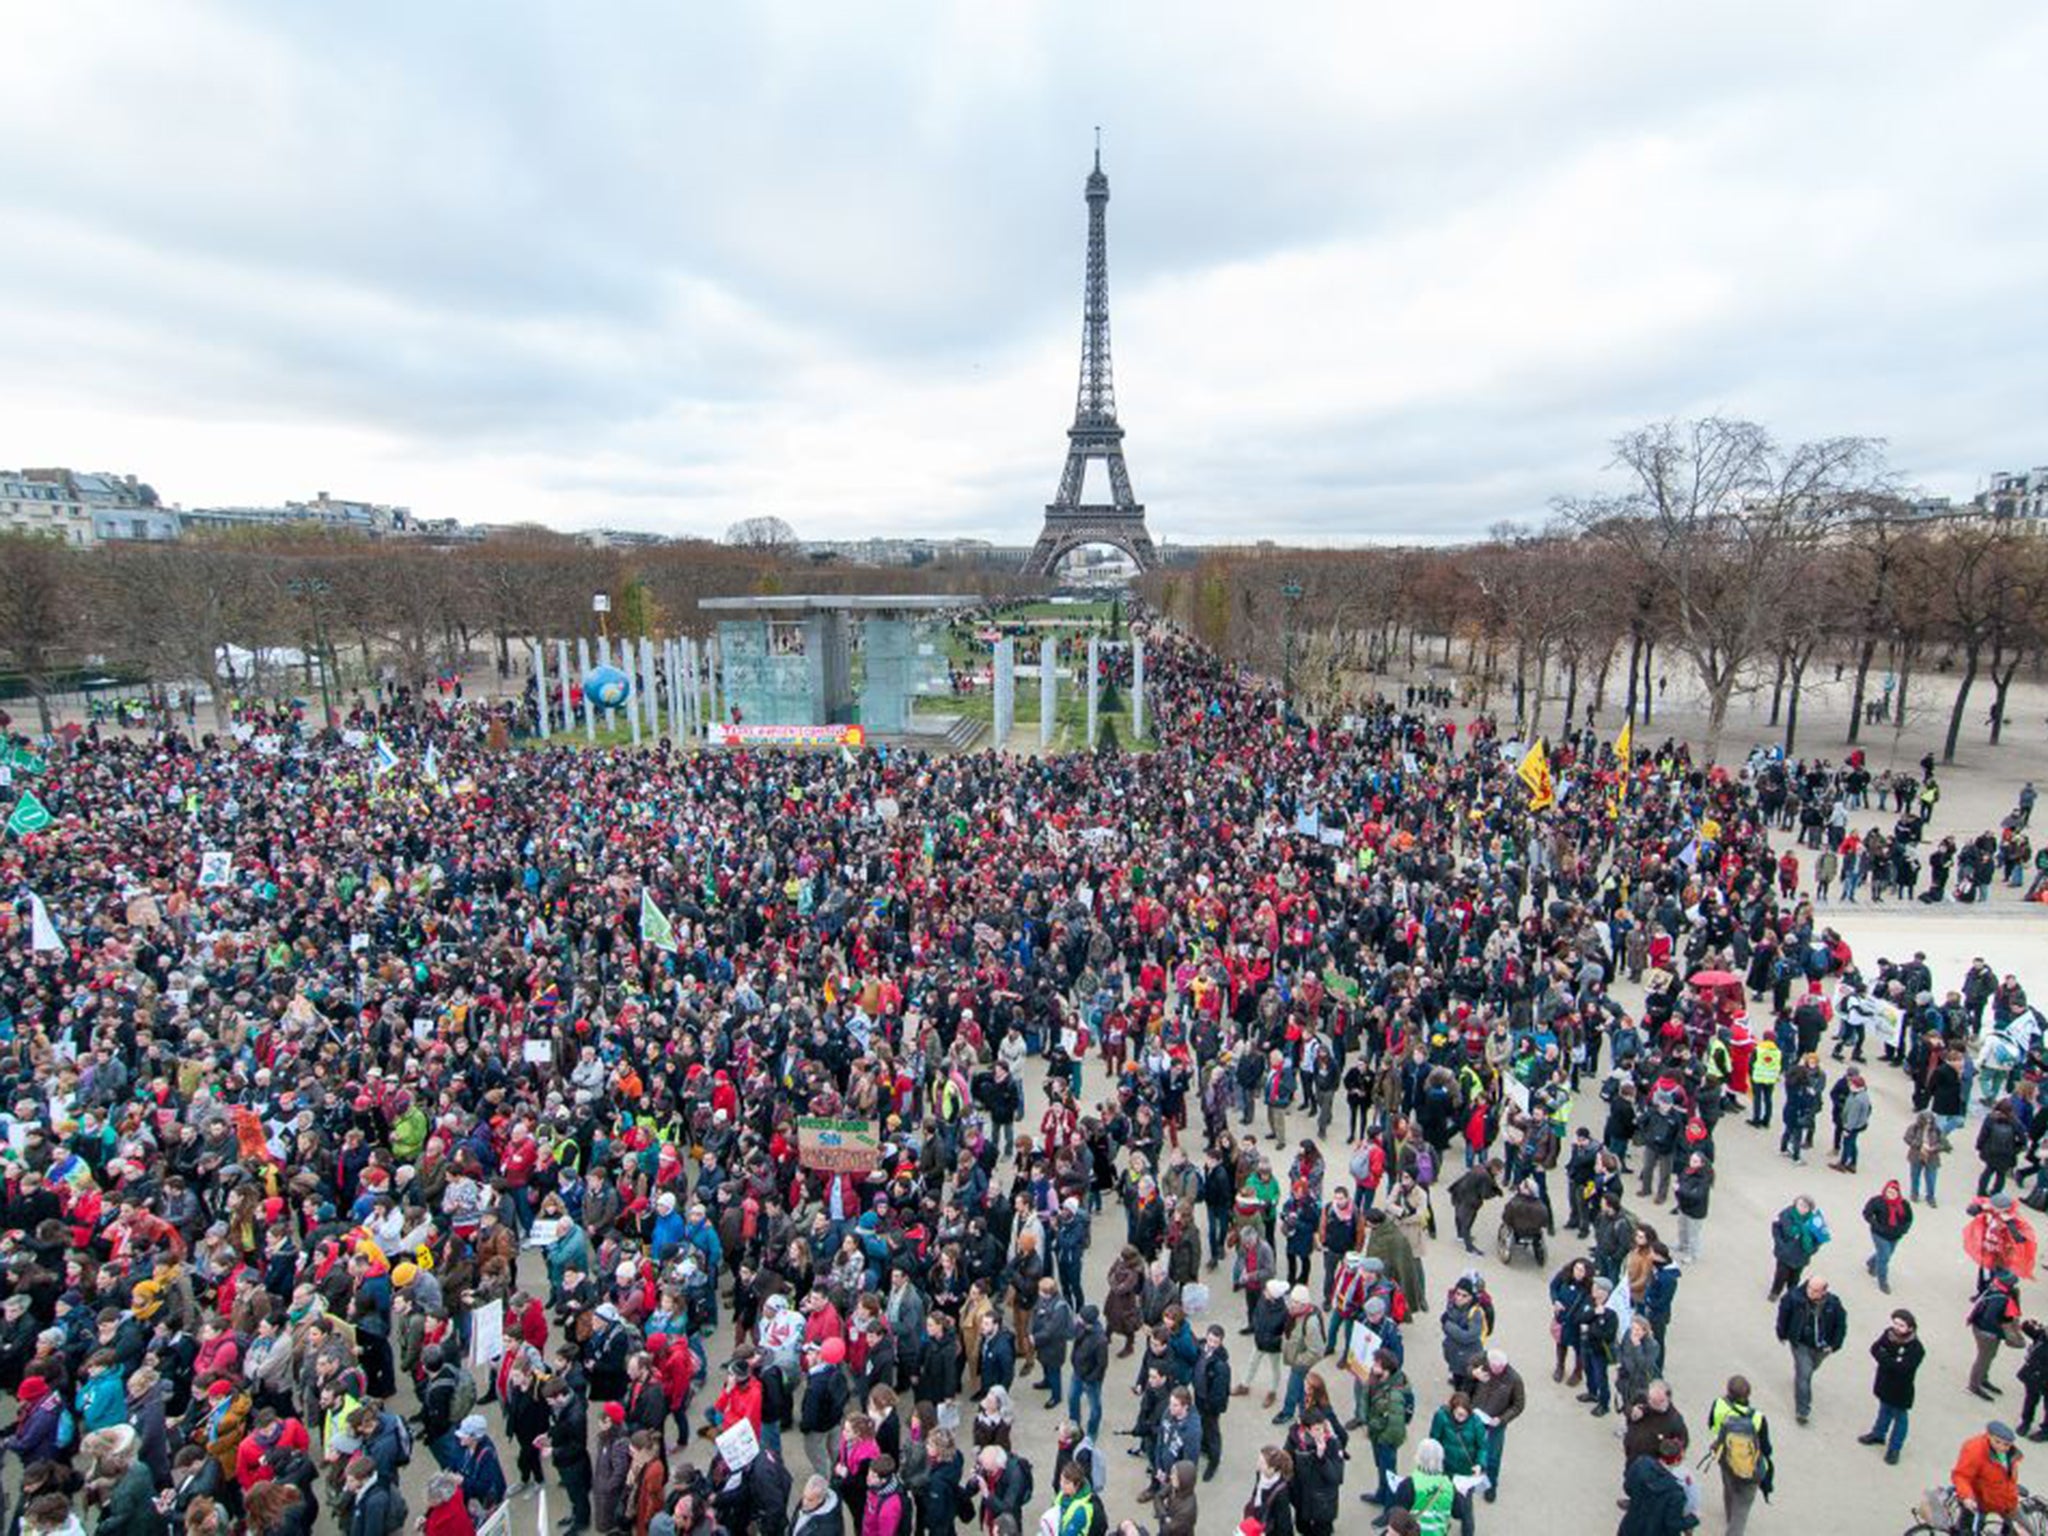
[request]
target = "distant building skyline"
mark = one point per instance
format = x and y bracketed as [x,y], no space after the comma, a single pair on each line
[91,507]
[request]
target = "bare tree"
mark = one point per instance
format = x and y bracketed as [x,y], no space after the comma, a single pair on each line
[766,535]
[42,611]
[173,609]
[1981,565]
[1877,538]
[1725,521]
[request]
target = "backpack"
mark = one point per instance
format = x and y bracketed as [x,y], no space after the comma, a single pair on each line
[463,1402]
[1098,1516]
[67,1429]
[1030,1482]
[1741,1449]
[396,1515]
[404,1434]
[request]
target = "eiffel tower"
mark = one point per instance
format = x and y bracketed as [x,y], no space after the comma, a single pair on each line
[1094,435]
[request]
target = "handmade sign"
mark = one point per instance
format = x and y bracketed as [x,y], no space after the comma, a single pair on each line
[838,1146]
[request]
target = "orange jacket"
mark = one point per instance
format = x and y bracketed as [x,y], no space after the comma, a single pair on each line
[1979,1475]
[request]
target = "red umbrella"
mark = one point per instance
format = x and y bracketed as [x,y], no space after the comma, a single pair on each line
[1996,1239]
[1715,979]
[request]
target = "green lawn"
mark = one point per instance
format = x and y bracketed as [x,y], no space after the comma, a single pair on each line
[1070,722]
[1094,612]
[606,736]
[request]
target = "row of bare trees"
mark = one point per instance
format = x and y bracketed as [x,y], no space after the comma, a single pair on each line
[1744,561]
[167,612]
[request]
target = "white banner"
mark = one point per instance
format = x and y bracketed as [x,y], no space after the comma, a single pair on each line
[487,1334]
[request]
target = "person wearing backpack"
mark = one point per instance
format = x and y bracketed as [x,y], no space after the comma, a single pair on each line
[1002,1486]
[445,1401]
[1739,1439]
[46,1430]
[1994,1322]
[1389,1406]
[375,1506]
[886,1511]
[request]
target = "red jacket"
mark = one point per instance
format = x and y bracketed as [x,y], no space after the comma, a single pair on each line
[450,1517]
[1978,1475]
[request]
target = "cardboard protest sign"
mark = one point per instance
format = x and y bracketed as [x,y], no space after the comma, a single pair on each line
[839,1146]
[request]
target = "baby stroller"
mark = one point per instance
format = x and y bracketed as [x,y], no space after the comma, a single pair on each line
[1524,1226]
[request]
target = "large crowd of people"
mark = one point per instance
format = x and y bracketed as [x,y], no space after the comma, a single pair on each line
[389,1100]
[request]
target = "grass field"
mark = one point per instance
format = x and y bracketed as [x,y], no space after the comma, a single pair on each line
[1070,720]
[1095,612]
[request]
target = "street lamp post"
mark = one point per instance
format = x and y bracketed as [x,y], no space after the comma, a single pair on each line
[316,589]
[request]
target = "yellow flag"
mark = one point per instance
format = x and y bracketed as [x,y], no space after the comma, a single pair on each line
[1624,744]
[1534,771]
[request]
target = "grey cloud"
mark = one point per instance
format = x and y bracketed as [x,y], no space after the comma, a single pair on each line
[684,261]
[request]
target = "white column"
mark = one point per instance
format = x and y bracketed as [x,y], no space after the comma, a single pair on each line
[634,707]
[583,670]
[1004,679]
[652,708]
[1048,690]
[562,678]
[678,692]
[668,681]
[540,686]
[1137,687]
[1094,656]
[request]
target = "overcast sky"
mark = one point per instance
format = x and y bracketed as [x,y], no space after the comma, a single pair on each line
[1376,271]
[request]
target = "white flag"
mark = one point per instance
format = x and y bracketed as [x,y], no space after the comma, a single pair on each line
[42,932]
[432,766]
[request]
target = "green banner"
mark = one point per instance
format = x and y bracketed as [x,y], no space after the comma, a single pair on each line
[30,815]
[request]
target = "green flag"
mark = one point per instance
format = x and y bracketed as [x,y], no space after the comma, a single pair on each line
[30,815]
[17,756]
[655,928]
[710,880]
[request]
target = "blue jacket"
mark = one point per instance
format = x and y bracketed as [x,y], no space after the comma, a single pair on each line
[1660,1293]
[668,1236]
[102,1401]
[483,1478]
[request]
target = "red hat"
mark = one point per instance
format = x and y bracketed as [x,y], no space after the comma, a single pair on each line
[33,1389]
[616,1412]
[833,1351]
[220,1388]
[1250,1527]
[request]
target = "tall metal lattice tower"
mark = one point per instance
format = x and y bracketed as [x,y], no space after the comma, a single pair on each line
[1069,523]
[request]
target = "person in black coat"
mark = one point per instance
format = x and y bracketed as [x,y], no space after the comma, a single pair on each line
[1898,1353]
[1656,1497]
[1211,1384]
[998,1357]
[568,1439]
[938,1369]
[1272,1501]
[1091,1365]
[1318,1478]
[939,1500]
[1813,1322]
